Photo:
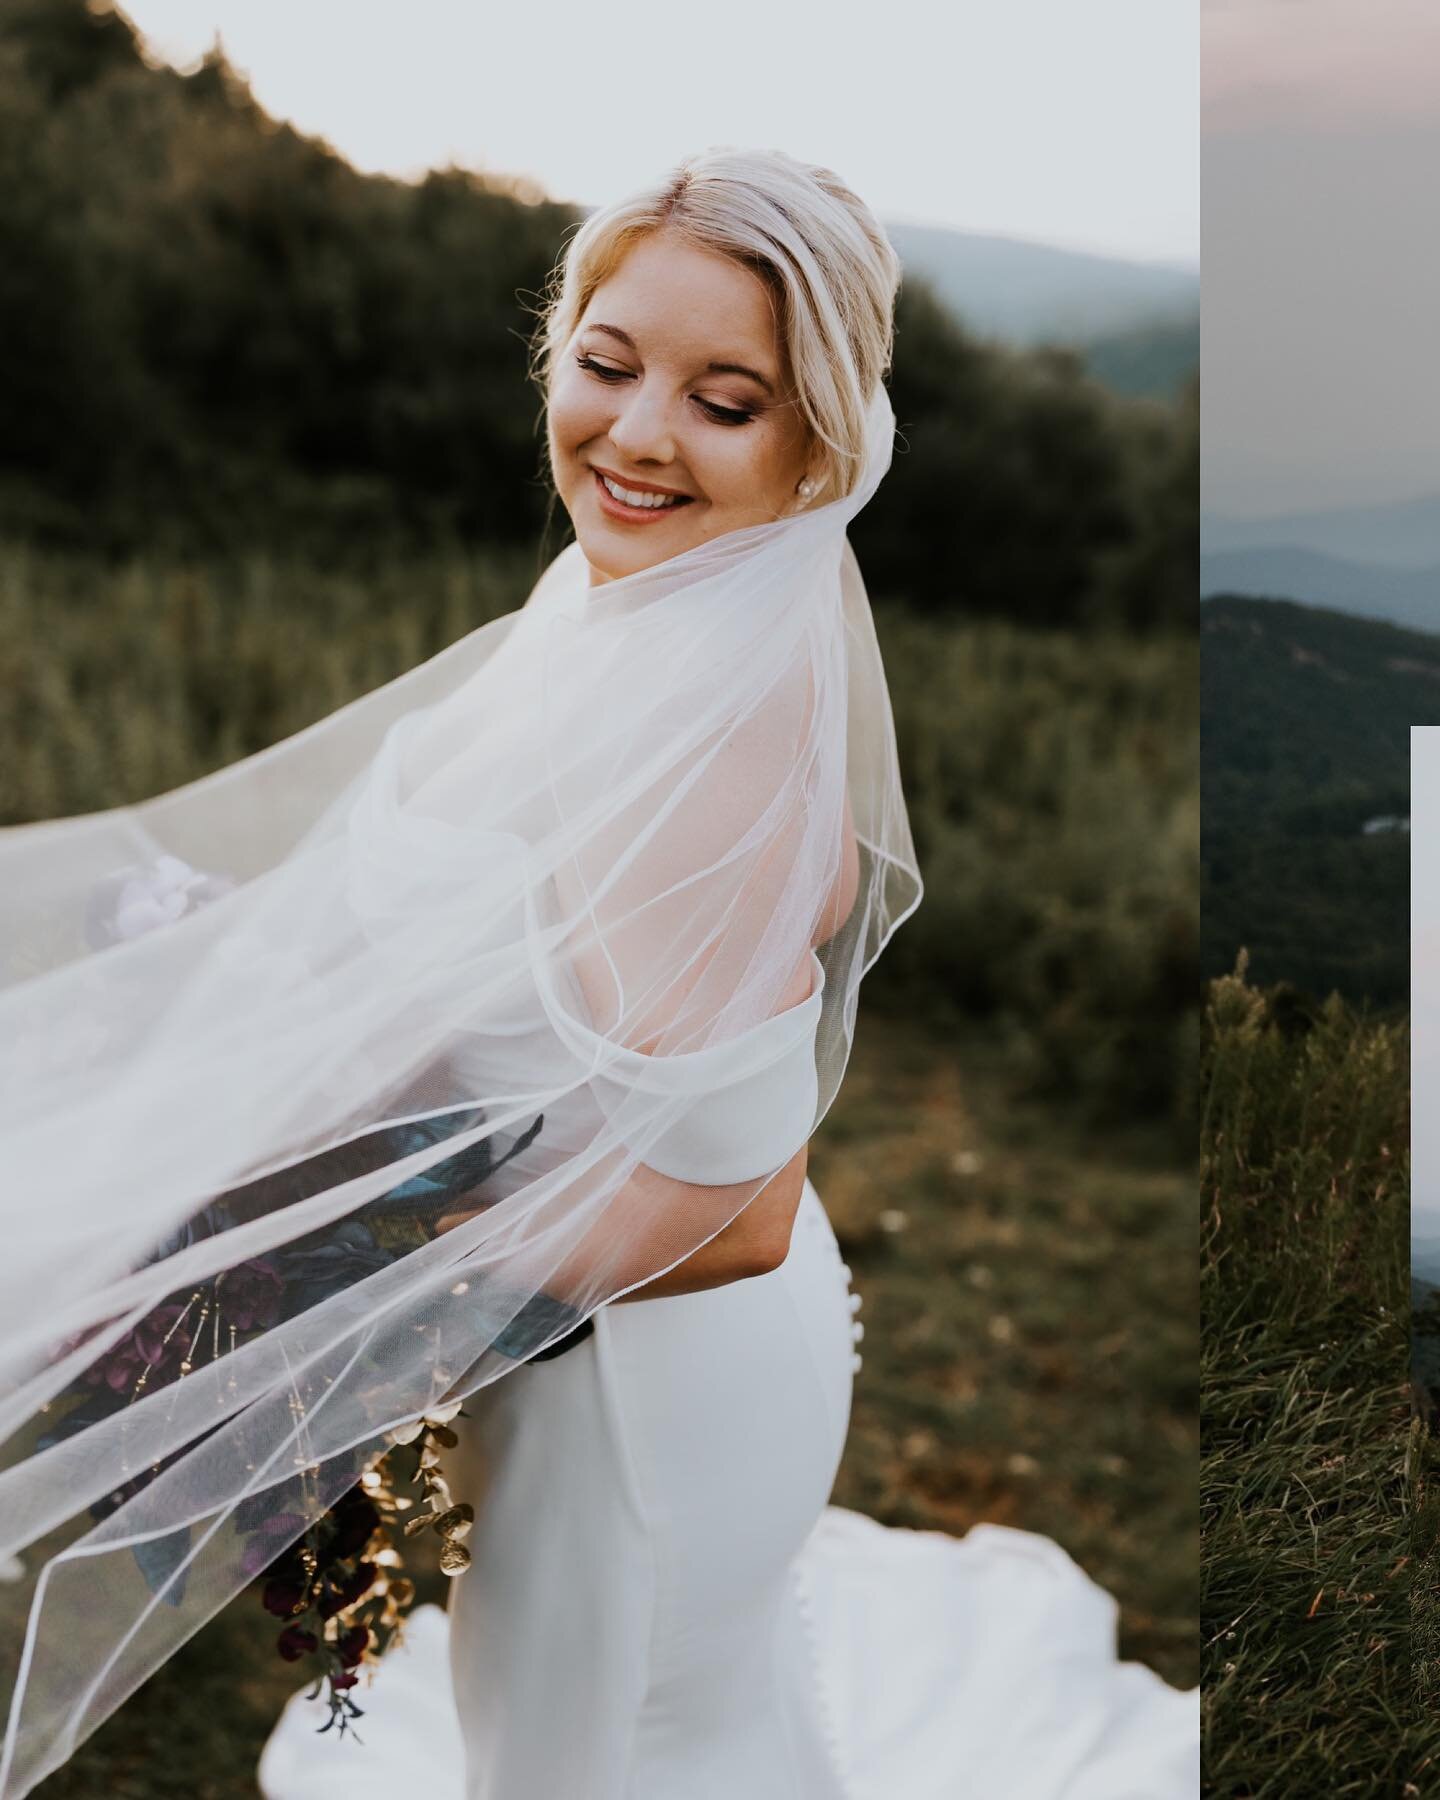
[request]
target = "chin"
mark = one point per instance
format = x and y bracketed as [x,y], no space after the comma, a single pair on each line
[610,560]
[607,562]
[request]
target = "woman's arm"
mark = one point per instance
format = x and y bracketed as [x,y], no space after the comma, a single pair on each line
[756,1241]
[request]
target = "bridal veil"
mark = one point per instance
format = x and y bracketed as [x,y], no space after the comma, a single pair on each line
[255,1031]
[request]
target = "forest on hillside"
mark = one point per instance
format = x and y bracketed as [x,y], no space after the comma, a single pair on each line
[214,332]
[1305,739]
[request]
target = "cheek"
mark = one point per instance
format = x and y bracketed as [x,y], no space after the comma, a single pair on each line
[574,416]
[748,470]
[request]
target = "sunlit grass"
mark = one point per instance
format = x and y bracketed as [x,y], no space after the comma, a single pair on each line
[1305,1222]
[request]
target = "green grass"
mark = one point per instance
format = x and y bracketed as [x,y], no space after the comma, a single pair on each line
[1424,1469]
[1051,776]
[1305,1416]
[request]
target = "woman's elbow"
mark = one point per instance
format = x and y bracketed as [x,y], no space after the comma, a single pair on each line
[772,1217]
[768,1251]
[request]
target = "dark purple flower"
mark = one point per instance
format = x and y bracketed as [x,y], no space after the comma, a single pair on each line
[355,1517]
[294,1642]
[347,1680]
[347,1591]
[249,1294]
[283,1598]
[157,1343]
[353,1645]
[262,1549]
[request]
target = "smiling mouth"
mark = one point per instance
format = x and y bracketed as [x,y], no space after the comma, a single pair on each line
[617,508]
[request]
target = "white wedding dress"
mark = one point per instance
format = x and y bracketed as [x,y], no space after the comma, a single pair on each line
[662,1606]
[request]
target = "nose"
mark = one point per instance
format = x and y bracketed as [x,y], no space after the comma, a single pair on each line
[642,429]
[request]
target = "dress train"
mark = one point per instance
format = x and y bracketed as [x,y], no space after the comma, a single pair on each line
[662,1606]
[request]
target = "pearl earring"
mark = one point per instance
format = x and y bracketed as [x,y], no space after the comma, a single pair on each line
[806,490]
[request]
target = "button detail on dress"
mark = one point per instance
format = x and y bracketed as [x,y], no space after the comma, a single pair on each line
[857,1331]
[854,1303]
[856,1360]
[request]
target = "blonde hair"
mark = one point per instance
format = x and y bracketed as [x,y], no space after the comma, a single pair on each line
[831,271]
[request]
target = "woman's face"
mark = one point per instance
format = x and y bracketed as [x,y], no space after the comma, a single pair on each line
[639,395]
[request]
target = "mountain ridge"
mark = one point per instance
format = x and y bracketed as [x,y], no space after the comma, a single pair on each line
[1396,596]
[1400,534]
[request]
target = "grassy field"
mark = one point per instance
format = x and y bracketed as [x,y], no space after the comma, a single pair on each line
[1305,1415]
[1424,1711]
[1052,776]
[1424,1495]
[1009,1164]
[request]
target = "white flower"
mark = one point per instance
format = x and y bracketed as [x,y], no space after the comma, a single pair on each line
[141,897]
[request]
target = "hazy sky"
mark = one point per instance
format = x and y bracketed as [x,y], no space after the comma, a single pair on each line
[1425,978]
[1321,278]
[1043,119]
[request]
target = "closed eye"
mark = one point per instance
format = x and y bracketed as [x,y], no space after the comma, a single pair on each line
[723,415]
[603,370]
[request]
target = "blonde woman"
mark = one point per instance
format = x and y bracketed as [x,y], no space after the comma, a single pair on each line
[661,1605]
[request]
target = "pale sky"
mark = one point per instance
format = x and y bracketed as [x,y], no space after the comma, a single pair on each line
[1425,979]
[1321,278]
[1070,124]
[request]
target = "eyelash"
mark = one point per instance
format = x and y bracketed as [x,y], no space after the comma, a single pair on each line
[722,415]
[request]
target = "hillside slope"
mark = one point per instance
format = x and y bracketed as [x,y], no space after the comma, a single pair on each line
[1305,718]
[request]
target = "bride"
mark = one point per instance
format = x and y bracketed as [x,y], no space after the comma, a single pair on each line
[595,889]
[661,1606]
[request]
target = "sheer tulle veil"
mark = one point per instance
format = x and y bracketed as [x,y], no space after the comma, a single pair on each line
[492,937]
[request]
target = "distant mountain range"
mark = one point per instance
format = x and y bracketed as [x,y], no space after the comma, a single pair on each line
[1378,562]
[1304,738]
[1370,591]
[1137,324]
[1031,293]
[1402,534]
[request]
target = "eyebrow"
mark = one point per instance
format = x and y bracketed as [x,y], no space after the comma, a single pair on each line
[714,368]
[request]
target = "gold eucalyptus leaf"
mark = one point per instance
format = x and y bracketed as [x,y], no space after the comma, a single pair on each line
[454,1559]
[455,1522]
